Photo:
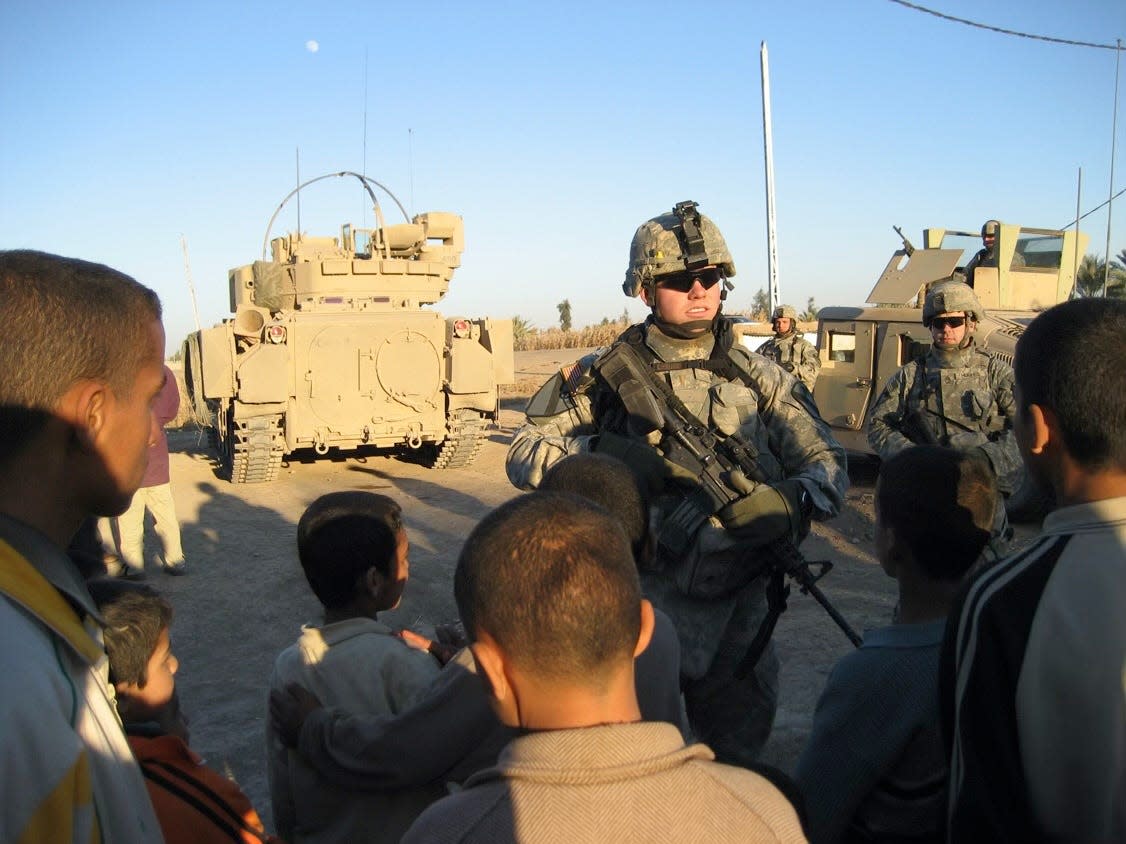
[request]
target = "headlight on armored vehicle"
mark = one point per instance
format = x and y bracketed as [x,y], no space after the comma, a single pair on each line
[461,328]
[275,333]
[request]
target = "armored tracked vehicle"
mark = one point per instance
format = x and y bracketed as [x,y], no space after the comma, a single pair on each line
[331,346]
[861,347]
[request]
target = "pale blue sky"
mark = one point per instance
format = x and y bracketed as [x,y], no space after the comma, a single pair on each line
[553,129]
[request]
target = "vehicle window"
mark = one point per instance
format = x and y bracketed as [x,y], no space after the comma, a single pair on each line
[969,244]
[1038,252]
[842,346]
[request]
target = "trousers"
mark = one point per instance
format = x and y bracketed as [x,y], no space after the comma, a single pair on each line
[131,527]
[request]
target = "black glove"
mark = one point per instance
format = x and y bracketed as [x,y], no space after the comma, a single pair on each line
[770,512]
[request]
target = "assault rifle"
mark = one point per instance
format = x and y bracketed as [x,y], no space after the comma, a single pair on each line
[724,470]
[908,247]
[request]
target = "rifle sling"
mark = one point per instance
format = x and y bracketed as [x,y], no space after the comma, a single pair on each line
[685,519]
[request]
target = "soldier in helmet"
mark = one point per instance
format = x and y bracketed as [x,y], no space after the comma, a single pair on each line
[789,349]
[956,395]
[987,255]
[710,570]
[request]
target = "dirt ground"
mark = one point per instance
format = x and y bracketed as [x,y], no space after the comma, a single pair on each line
[245,597]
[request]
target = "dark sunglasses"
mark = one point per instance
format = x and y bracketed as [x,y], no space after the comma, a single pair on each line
[683,282]
[944,321]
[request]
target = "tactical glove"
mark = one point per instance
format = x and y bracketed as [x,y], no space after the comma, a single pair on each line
[771,512]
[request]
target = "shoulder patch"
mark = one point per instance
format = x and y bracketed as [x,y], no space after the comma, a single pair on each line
[578,374]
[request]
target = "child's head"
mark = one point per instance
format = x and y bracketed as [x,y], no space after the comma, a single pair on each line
[548,580]
[142,666]
[354,550]
[934,510]
[1068,369]
[606,481]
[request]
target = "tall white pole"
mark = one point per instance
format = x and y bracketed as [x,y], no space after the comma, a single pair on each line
[768,147]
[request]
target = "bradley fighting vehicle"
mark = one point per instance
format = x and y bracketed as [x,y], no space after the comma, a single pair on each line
[861,347]
[331,346]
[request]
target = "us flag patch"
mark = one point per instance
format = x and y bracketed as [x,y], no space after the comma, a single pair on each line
[572,376]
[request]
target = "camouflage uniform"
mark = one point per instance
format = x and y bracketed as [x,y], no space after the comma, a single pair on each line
[795,354]
[733,715]
[965,399]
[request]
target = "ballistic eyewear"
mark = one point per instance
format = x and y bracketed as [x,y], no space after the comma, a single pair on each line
[941,322]
[684,282]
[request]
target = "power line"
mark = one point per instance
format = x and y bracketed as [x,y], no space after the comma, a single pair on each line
[1071,223]
[1049,38]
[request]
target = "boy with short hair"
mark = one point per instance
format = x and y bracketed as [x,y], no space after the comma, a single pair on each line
[874,767]
[452,733]
[353,548]
[194,804]
[548,590]
[1033,665]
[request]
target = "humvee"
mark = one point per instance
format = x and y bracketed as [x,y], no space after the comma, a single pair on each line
[861,347]
[331,346]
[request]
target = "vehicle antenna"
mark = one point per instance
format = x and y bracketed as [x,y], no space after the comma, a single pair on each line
[1110,191]
[364,162]
[1078,201]
[191,286]
[298,153]
[410,164]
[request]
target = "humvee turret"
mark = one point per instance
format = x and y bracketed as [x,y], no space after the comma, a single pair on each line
[331,346]
[861,347]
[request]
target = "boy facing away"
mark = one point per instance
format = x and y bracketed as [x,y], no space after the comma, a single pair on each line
[354,550]
[452,733]
[874,768]
[1034,665]
[548,590]
[194,804]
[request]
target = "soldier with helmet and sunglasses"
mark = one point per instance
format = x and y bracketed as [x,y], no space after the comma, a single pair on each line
[710,567]
[956,395]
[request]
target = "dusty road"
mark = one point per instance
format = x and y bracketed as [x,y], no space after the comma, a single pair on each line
[245,596]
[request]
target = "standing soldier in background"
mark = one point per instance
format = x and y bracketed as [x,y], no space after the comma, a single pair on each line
[956,395]
[681,371]
[789,349]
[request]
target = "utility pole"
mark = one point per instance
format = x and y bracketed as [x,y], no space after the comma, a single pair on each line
[768,147]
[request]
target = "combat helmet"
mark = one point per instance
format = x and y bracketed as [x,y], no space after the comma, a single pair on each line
[945,297]
[681,241]
[990,227]
[784,312]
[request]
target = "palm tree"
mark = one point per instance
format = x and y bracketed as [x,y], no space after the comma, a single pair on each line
[811,310]
[1092,273]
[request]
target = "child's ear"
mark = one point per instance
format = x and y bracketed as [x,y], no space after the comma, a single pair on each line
[645,635]
[492,668]
[1044,428]
[888,551]
[373,581]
